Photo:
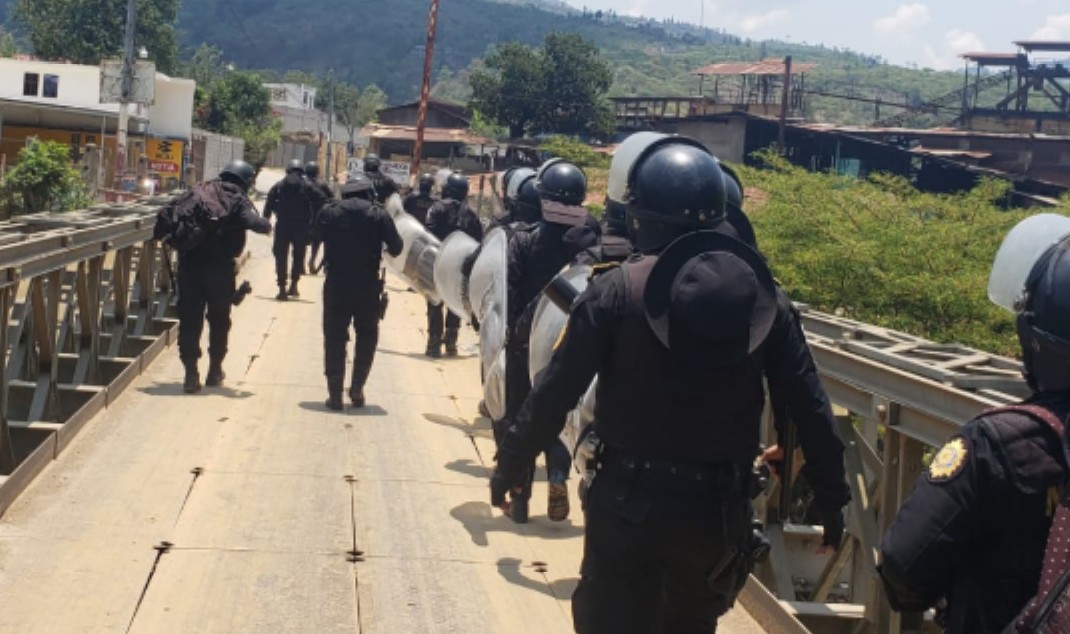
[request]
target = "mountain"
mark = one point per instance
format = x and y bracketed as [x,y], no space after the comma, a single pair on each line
[382,42]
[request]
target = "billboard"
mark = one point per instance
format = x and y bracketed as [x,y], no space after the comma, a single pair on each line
[164,158]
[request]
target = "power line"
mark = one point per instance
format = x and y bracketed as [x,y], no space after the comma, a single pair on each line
[241,25]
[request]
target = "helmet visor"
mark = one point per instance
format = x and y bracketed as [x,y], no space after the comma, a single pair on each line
[623,159]
[516,180]
[1023,247]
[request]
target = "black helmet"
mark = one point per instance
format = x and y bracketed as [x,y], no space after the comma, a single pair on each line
[295,165]
[1044,320]
[456,187]
[312,169]
[733,187]
[734,214]
[358,186]
[240,173]
[528,204]
[372,163]
[562,182]
[506,177]
[427,181]
[674,188]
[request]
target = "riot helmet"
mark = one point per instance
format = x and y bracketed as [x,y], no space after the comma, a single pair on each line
[617,187]
[527,203]
[426,183]
[1031,276]
[312,169]
[372,163]
[358,186]
[734,214]
[507,176]
[240,173]
[674,187]
[456,187]
[562,182]
[733,187]
[295,165]
[516,180]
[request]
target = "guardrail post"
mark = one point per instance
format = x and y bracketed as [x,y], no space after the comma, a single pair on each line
[45,298]
[120,292]
[90,275]
[7,451]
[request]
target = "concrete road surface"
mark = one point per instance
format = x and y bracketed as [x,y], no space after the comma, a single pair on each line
[252,509]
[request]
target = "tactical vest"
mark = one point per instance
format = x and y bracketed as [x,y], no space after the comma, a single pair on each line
[651,405]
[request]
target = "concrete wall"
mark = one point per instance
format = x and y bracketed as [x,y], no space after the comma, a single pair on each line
[726,139]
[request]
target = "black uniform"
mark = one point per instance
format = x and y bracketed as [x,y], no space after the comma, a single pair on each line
[670,504]
[206,276]
[974,530]
[354,232]
[294,200]
[385,187]
[610,248]
[417,204]
[443,218]
[325,197]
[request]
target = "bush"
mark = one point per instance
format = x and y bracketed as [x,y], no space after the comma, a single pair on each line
[575,151]
[43,180]
[882,252]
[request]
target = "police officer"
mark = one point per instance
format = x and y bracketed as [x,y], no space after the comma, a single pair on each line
[385,187]
[534,258]
[678,337]
[312,171]
[971,537]
[354,233]
[294,200]
[512,179]
[206,276]
[419,202]
[446,216]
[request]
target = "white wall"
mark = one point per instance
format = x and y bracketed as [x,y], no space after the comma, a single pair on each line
[172,114]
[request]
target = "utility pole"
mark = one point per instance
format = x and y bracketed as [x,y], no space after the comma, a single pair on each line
[128,81]
[425,92]
[330,123]
[785,105]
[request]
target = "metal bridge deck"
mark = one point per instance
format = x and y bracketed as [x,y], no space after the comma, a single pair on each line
[253,509]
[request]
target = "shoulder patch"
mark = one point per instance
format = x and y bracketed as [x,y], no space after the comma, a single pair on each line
[949,461]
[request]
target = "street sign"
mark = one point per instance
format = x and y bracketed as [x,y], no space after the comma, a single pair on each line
[398,171]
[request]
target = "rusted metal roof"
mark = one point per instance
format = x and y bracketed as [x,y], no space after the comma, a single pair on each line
[995,59]
[431,135]
[764,67]
[951,153]
[1044,46]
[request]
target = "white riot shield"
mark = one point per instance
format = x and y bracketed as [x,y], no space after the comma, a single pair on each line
[451,284]
[416,263]
[549,323]
[488,297]
[494,386]
[395,206]
[1021,250]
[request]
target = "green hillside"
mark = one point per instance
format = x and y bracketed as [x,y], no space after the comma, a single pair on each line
[372,41]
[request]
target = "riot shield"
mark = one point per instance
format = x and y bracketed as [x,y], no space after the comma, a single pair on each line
[416,263]
[1021,250]
[578,434]
[488,294]
[494,386]
[395,206]
[450,282]
[549,322]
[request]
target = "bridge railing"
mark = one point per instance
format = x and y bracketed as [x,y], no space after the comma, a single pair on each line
[85,300]
[896,397]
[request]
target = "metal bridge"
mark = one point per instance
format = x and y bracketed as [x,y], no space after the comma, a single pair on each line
[131,507]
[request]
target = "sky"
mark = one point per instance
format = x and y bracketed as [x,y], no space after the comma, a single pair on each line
[928,33]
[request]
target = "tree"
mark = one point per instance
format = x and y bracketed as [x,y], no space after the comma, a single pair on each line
[354,109]
[239,104]
[559,87]
[87,31]
[510,88]
[43,180]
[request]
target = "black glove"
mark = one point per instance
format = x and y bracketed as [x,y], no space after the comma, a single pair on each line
[511,473]
[834,527]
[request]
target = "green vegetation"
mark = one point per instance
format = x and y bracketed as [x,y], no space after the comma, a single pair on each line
[557,87]
[881,252]
[575,151]
[87,31]
[43,180]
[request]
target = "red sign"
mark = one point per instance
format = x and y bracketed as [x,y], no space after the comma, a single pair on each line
[163,167]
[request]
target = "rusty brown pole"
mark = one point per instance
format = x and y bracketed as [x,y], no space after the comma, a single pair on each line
[425,92]
[785,98]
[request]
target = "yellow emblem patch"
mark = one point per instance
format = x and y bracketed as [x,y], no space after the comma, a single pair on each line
[561,337]
[949,462]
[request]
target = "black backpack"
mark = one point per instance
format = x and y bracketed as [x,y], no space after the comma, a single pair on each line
[1049,611]
[193,217]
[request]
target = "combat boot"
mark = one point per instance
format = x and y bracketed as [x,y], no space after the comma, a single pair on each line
[451,342]
[518,510]
[335,385]
[434,347]
[215,373]
[356,397]
[557,504]
[293,290]
[282,293]
[192,383]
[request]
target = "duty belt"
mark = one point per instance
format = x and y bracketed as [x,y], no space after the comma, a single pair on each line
[727,475]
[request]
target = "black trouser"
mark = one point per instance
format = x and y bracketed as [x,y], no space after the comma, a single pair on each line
[285,238]
[663,552]
[517,388]
[205,287]
[345,303]
[314,249]
[440,318]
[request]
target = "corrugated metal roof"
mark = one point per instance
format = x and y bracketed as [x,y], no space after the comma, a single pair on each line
[955,153]
[995,59]
[1044,45]
[431,135]
[764,67]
